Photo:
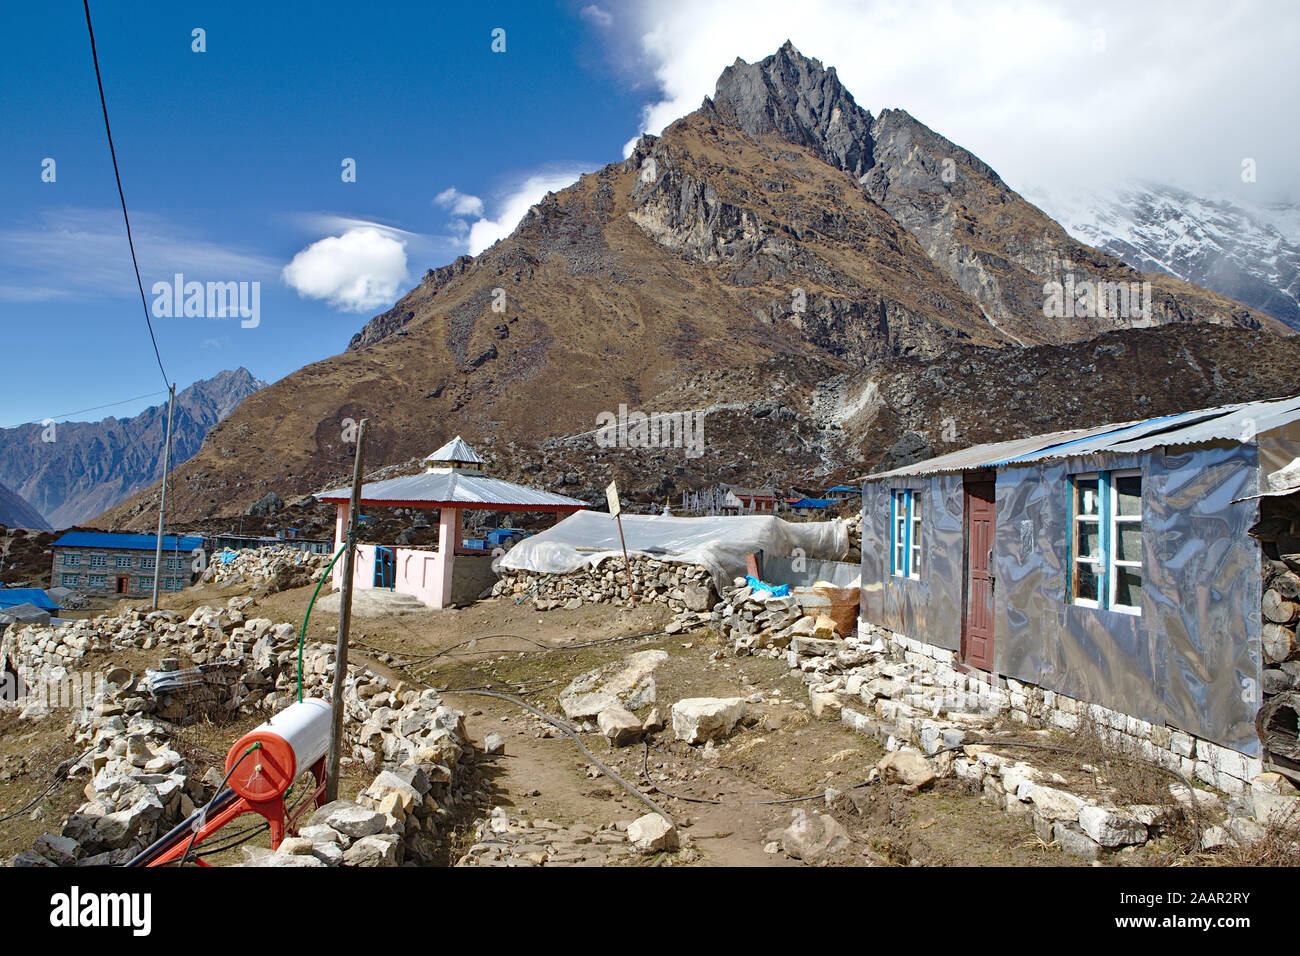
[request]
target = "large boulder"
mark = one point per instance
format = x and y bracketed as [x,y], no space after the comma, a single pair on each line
[627,683]
[814,838]
[699,719]
[652,833]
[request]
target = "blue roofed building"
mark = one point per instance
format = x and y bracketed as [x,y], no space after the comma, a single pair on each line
[98,563]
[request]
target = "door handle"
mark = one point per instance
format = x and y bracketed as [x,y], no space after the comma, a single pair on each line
[992,576]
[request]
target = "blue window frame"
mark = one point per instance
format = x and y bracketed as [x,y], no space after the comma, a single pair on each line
[1106,540]
[905,534]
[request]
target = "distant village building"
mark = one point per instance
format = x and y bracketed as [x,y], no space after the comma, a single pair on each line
[843,493]
[1117,567]
[121,565]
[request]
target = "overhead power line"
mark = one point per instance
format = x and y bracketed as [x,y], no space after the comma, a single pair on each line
[121,195]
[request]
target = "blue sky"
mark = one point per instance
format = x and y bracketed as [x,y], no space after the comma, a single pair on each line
[231,164]
[231,158]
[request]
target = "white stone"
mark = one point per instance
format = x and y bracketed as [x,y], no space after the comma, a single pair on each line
[697,719]
[1111,827]
[652,833]
[1053,804]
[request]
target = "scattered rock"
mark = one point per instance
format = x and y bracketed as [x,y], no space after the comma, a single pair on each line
[698,719]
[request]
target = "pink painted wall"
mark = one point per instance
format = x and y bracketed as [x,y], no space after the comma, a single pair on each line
[422,574]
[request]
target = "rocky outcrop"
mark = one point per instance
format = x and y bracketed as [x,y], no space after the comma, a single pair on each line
[794,97]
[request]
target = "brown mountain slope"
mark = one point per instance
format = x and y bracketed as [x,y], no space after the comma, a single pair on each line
[778,222]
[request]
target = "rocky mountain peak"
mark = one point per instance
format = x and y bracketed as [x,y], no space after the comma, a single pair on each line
[796,97]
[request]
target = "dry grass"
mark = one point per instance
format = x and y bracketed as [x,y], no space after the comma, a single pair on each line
[1279,847]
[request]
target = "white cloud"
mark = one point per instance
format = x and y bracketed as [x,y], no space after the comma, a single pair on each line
[510,207]
[460,204]
[360,270]
[1048,91]
[597,15]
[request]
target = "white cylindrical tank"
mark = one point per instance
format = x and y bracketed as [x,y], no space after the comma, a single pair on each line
[285,745]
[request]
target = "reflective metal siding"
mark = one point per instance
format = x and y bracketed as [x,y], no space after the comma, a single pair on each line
[1091,654]
[1206,588]
[929,608]
[1192,658]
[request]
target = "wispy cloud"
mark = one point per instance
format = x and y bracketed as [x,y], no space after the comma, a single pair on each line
[509,208]
[597,15]
[82,253]
[460,204]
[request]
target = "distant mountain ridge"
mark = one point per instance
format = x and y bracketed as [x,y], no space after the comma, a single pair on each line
[17,512]
[91,466]
[1247,251]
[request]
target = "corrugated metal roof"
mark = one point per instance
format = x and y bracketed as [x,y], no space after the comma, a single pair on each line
[454,488]
[1241,422]
[130,542]
[12,597]
[456,450]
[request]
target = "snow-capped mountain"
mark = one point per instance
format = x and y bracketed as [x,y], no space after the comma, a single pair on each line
[1247,251]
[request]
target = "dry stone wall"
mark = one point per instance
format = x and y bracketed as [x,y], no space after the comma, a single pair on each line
[138,786]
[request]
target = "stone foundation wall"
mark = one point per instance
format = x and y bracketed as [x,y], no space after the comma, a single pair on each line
[1196,759]
[683,587]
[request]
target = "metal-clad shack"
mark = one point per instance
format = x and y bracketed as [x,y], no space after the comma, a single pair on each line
[1109,564]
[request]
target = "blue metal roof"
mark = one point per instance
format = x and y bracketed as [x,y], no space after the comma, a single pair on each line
[815,502]
[12,597]
[853,488]
[130,542]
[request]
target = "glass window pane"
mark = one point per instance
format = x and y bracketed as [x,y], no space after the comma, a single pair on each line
[1086,582]
[1087,539]
[1128,586]
[1086,501]
[1128,541]
[1128,495]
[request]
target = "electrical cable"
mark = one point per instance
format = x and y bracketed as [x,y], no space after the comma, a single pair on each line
[60,774]
[198,824]
[572,735]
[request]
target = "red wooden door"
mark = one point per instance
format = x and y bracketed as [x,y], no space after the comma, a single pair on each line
[977,623]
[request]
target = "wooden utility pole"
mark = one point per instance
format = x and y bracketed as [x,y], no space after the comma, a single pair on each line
[162,505]
[345,620]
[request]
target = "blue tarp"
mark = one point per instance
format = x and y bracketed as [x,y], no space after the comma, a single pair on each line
[12,597]
[777,590]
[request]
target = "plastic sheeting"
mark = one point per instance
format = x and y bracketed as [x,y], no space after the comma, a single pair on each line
[719,544]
